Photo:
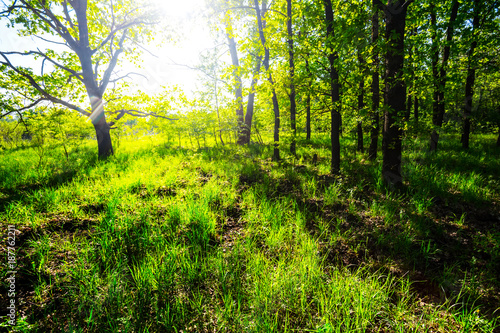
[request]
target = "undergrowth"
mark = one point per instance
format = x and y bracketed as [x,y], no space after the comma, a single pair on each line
[168,239]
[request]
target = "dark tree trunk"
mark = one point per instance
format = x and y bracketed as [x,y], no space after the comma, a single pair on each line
[395,13]
[435,61]
[308,103]
[335,89]
[372,151]
[261,23]
[471,77]
[103,138]
[409,106]
[293,107]
[360,136]
[101,126]
[250,104]
[415,111]
[440,79]
[498,140]
[410,88]
[361,102]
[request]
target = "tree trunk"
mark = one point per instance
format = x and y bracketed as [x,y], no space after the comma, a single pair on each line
[439,108]
[218,114]
[101,126]
[360,136]
[498,140]
[334,89]
[238,92]
[361,102]
[261,23]
[293,107]
[471,77]
[247,130]
[409,106]
[410,88]
[415,111]
[395,12]
[372,151]
[434,64]
[103,140]
[308,103]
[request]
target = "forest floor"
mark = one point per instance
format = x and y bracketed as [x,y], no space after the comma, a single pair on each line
[166,239]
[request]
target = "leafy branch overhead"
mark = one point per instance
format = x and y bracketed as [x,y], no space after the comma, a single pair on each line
[87,40]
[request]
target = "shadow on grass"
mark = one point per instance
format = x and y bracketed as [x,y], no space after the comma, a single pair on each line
[438,249]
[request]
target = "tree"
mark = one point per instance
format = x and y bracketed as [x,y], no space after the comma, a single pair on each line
[334,88]
[293,106]
[395,13]
[261,13]
[375,87]
[440,74]
[89,37]
[238,85]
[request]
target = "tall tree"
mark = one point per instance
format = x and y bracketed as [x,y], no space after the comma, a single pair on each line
[238,86]
[471,76]
[375,86]
[334,88]
[361,101]
[395,13]
[293,106]
[247,130]
[95,33]
[261,24]
[440,77]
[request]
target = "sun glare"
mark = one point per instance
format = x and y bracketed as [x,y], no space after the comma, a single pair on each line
[172,63]
[178,9]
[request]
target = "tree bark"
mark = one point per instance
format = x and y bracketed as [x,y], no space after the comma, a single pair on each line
[250,103]
[293,107]
[498,140]
[218,114]
[334,89]
[261,23]
[395,13]
[101,126]
[415,111]
[308,103]
[471,77]
[361,102]
[409,106]
[410,84]
[238,92]
[375,87]
[434,65]
[440,79]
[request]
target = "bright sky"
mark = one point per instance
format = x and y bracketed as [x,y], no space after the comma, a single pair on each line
[173,59]
[167,66]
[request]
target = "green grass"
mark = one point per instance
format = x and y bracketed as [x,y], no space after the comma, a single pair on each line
[166,239]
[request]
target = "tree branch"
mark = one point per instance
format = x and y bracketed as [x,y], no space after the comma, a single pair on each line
[136,113]
[46,57]
[25,107]
[35,85]
[112,33]
[127,75]
[112,64]
[66,13]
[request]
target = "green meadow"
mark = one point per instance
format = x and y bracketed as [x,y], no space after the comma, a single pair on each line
[160,238]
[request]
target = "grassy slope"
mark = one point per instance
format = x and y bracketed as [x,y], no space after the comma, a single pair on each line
[222,239]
